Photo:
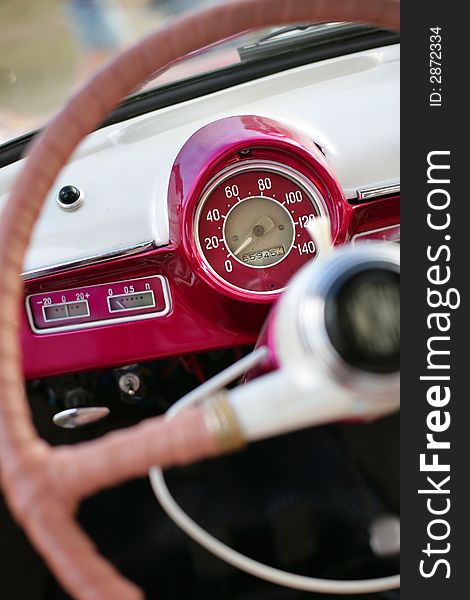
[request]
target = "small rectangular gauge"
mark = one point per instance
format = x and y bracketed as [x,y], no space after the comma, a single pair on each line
[99,304]
[65,310]
[131,301]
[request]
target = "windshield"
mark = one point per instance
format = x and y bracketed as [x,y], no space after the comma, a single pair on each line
[49,47]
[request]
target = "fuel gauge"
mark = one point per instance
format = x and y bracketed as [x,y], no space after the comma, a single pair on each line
[131,301]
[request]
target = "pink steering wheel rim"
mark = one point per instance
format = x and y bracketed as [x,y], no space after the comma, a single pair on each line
[43,485]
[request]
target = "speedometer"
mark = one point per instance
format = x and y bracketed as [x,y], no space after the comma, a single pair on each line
[250,225]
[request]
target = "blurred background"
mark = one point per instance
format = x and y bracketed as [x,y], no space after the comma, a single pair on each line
[49,47]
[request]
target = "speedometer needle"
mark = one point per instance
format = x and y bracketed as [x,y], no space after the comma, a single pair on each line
[261,227]
[242,247]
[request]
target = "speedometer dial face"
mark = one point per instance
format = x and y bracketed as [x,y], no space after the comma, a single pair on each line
[258,231]
[250,226]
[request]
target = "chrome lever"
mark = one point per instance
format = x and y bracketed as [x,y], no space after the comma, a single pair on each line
[73,418]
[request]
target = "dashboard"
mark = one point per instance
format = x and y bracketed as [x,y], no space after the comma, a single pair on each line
[175,232]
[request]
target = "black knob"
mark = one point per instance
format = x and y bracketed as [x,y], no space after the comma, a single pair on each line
[70,197]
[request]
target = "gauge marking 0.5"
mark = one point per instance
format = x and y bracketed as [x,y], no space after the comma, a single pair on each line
[125,302]
[250,226]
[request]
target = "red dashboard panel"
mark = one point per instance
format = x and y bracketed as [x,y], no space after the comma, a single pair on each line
[167,301]
[200,318]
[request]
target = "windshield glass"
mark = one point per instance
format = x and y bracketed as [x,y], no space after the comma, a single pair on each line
[49,47]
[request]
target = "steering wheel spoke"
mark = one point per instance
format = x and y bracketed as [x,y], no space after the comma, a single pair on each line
[86,468]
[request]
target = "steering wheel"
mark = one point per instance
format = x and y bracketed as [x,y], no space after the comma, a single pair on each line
[43,485]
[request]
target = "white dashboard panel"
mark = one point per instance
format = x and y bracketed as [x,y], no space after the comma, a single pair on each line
[348,105]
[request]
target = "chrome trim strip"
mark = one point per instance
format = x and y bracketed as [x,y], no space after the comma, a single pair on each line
[363,234]
[378,192]
[88,261]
